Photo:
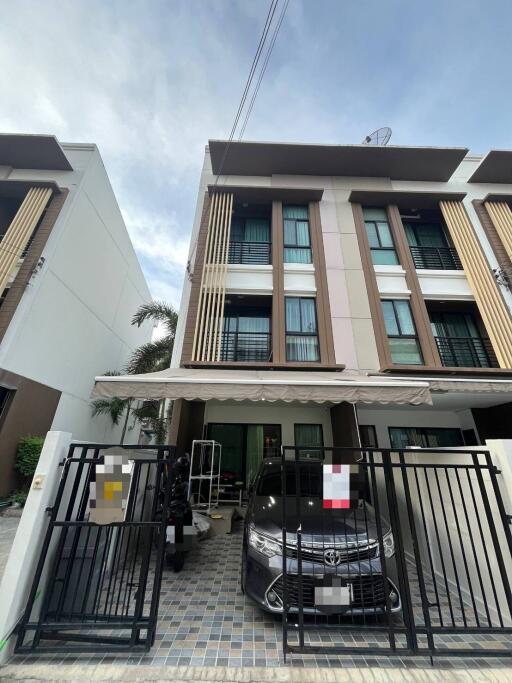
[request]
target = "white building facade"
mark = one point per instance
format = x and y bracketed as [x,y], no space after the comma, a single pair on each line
[343,296]
[71,283]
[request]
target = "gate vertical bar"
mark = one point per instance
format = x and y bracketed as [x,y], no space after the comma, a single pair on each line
[300,589]
[283,540]
[403,577]
[417,555]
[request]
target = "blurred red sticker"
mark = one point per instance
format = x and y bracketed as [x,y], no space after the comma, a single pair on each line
[336,486]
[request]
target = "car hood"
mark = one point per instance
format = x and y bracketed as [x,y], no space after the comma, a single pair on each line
[319,525]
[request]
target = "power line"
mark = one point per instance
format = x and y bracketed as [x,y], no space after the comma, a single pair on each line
[263,68]
[263,38]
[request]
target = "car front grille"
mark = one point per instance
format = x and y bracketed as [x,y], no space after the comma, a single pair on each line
[368,591]
[314,554]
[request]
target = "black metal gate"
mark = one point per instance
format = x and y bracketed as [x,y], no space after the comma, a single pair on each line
[96,586]
[412,558]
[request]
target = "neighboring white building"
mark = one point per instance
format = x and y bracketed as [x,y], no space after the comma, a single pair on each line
[71,283]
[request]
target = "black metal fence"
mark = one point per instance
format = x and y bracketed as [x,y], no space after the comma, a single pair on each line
[416,556]
[436,258]
[466,352]
[257,253]
[96,587]
[246,346]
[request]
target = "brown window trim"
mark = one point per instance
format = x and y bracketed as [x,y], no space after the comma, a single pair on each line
[416,301]
[41,235]
[425,369]
[255,365]
[323,308]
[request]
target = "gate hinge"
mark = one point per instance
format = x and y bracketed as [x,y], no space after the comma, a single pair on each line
[49,511]
[496,470]
[509,518]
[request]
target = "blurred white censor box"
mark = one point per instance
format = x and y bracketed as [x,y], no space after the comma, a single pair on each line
[333,594]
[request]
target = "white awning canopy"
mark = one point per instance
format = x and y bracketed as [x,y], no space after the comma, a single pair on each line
[265,385]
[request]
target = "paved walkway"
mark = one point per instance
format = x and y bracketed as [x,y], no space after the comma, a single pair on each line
[8,526]
[189,674]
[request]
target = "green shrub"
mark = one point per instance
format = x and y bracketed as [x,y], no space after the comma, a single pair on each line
[19,497]
[27,454]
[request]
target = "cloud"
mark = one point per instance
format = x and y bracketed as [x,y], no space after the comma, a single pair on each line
[150,82]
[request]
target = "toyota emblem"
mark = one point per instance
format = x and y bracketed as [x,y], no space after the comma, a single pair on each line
[332,557]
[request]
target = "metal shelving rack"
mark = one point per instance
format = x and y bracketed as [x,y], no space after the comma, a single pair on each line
[205,468]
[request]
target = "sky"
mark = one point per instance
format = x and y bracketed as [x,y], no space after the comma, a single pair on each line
[151,81]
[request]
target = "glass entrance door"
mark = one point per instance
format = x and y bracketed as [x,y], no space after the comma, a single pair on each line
[244,446]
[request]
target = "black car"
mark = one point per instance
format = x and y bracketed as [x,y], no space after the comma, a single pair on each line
[339,547]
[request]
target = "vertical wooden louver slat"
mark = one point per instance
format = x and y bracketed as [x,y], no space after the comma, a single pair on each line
[218,336]
[492,307]
[208,330]
[20,231]
[501,216]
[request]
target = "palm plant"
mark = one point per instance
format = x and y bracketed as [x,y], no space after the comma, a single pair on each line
[155,355]
[114,408]
[150,357]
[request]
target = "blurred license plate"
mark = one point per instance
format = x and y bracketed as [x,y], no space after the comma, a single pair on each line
[333,594]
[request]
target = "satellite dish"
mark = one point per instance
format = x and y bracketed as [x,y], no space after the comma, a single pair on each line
[378,137]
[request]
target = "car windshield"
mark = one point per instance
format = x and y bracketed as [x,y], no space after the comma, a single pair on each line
[310,481]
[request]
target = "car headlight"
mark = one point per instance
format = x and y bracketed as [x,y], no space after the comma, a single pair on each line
[263,545]
[388,542]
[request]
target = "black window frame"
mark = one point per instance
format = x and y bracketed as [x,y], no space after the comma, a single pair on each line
[413,224]
[297,246]
[301,333]
[314,451]
[373,430]
[6,396]
[249,218]
[423,432]
[401,335]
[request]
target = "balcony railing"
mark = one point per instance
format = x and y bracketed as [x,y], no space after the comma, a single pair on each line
[246,346]
[436,258]
[466,352]
[252,253]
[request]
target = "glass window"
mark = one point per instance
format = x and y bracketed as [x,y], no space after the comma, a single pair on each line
[379,237]
[425,437]
[250,230]
[425,235]
[5,394]
[301,329]
[297,242]
[368,436]
[401,331]
[311,437]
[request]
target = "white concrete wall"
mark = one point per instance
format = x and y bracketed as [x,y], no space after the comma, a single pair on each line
[299,278]
[249,279]
[26,548]
[257,413]
[74,319]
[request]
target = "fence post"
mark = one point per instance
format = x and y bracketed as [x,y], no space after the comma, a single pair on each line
[26,548]
[501,454]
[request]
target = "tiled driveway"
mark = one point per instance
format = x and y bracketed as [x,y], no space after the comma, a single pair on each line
[205,621]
